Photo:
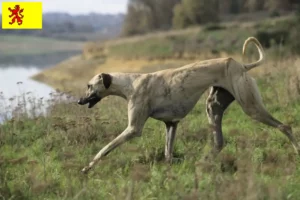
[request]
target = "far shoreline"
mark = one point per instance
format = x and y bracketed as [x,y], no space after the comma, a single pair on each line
[41,61]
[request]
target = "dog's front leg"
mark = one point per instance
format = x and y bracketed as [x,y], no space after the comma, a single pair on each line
[127,134]
[170,137]
[137,117]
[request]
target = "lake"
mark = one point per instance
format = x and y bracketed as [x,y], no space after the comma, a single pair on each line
[19,93]
[16,87]
[15,80]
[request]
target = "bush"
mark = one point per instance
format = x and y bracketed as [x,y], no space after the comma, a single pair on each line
[294,40]
[180,19]
[277,36]
[274,14]
[284,33]
[201,11]
[195,12]
[214,27]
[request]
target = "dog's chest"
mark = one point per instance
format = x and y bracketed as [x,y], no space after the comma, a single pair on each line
[173,109]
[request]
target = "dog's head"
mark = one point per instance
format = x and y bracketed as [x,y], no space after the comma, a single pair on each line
[97,89]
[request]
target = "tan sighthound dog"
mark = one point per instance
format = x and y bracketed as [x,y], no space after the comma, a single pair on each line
[169,95]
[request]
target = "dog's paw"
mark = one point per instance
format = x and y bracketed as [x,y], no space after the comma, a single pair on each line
[85,170]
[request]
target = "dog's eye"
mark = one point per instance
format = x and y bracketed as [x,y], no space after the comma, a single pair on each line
[88,86]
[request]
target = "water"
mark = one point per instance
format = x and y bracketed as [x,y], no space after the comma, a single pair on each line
[17,89]
[12,75]
[16,85]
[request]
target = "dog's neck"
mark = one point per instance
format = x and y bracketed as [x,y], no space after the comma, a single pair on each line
[122,84]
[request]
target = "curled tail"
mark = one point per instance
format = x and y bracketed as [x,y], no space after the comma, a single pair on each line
[260,51]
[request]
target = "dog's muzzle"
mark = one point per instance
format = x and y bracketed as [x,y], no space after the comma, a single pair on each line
[91,100]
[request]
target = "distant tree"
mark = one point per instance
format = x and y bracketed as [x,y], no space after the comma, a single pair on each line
[276,5]
[134,20]
[230,6]
[296,5]
[180,19]
[201,11]
[298,11]
[193,12]
[165,13]
[255,5]
[149,11]
[224,6]
[234,7]
[148,15]
[243,6]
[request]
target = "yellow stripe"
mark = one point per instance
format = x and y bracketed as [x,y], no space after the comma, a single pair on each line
[32,15]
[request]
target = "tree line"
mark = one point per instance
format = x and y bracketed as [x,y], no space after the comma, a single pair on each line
[148,15]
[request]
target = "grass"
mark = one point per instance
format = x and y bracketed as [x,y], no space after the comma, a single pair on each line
[41,156]
[195,43]
[29,45]
[157,47]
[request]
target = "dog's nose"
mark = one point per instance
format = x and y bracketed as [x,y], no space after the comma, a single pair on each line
[80,102]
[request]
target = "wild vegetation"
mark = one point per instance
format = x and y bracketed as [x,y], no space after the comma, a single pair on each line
[152,15]
[41,155]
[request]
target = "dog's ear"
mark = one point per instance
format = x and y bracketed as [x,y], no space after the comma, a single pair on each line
[106,78]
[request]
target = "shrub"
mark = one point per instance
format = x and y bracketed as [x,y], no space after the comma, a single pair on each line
[277,36]
[274,14]
[214,27]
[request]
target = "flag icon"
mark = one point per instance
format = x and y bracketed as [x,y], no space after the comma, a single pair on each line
[22,15]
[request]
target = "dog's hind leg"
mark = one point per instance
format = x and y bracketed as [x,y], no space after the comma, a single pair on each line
[248,96]
[217,102]
[170,137]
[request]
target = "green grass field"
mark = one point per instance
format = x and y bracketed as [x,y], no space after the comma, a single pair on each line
[41,157]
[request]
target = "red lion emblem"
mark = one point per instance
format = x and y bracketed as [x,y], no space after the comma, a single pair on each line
[15,14]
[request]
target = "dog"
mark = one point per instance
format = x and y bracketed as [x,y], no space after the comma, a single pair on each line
[169,95]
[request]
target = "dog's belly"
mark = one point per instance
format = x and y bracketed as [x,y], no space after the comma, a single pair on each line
[173,110]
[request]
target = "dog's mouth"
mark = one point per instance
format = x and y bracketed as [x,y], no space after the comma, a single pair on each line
[92,100]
